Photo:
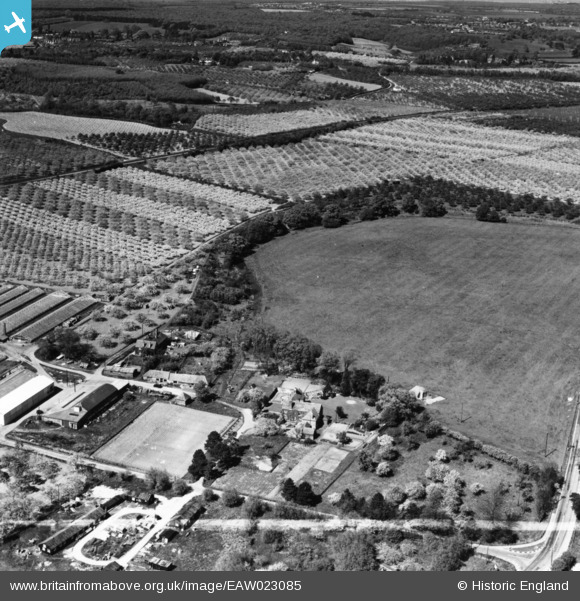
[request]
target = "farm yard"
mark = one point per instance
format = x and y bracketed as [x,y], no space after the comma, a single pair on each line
[24,157]
[554,120]
[327,113]
[479,93]
[266,86]
[123,138]
[323,78]
[114,224]
[458,151]
[478,313]
[130,144]
[164,436]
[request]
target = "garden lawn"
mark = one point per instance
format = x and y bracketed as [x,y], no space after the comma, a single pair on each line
[482,314]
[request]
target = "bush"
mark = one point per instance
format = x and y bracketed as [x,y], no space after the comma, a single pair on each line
[564,563]
[415,490]
[384,469]
[254,508]
[476,488]
[433,429]
[371,425]
[158,480]
[232,498]
[499,535]
[180,487]
[274,538]
[208,495]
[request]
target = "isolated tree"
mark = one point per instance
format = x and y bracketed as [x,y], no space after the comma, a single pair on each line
[343,438]
[232,498]
[213,439]
[198,465]
[289,490]
[202,393]
[305,495]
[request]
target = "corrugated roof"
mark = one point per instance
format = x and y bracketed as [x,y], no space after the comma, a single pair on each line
[98,396]
[23,393]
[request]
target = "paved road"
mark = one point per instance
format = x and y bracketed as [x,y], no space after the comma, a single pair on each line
[539,555]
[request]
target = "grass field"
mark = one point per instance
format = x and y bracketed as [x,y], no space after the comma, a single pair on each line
[482,314]
[165,436]
[63,127]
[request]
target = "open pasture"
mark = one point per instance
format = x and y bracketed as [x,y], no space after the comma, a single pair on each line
[165,436]
[482,314]
[64,127]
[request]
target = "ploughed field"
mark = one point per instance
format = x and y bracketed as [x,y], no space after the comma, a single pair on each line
[482,314]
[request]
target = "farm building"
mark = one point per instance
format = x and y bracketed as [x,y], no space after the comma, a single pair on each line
[9,293]
[157,376]
[87,406]
[63,538]
[16,321]
[7,368]
[24,398]
[185,517]
[151,343]
[167,535]
[18,301]
[113,502]
[160,564]
[128,372]
[65,315]
[144,498]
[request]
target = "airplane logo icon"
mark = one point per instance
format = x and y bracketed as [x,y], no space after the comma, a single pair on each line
[18,22]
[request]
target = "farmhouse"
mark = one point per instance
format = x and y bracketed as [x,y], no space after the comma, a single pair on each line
[158,376]
[151,343]
[24,398]
[304,418]
[63,538]
[86,407]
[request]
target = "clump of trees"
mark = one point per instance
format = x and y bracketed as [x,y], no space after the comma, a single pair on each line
[301,494]
[220,454]
[564,563]
[66,342]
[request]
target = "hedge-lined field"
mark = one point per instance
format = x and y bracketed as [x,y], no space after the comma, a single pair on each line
[478,313]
